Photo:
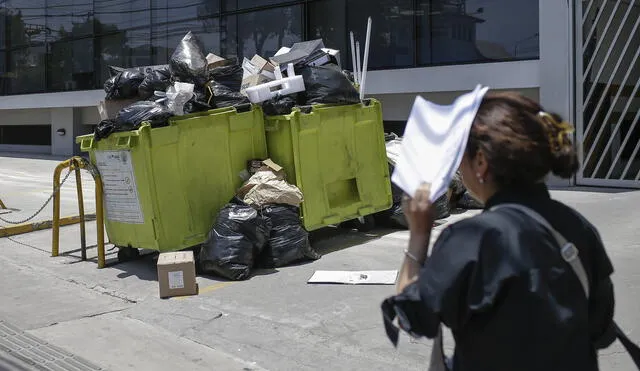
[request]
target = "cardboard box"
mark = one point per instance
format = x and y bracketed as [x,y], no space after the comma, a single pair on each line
[214,61]
[252,80]
[108,109]
[177,274]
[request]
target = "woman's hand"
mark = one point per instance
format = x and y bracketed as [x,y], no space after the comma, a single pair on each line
[420,219]
[418,211]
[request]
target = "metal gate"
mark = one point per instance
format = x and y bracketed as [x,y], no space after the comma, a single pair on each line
[607,82]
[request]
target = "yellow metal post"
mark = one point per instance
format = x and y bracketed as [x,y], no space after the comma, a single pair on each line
[83,236]
[2,205]
[55,248]
[77,163]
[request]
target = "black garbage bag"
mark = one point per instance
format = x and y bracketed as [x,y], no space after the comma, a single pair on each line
[219,95]
[279,105]
[229,76]
[156,80]
[104,129]
[188,63]
[123,85]
[288,240]
[130,117]
[224,86]
[199,102]
[327,84]
[234,243]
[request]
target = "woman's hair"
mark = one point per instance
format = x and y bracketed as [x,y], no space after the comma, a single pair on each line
[522,142]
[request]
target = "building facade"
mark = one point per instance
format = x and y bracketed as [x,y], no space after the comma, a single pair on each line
[578,58]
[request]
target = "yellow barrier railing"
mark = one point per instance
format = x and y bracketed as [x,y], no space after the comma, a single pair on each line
[76,164]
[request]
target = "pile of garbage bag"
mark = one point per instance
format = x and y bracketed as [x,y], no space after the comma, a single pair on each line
[307,73]
[259,228]
[457,197]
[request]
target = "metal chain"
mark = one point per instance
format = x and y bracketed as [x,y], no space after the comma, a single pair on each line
[55,191]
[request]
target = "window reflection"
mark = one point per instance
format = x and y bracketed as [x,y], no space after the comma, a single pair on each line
[264,32]
[71,65]
[246,4]
[69,18]
[166,11]
[4,77]
[25,22]
[121,14]
[457,31]
[79,39]
[327,21]
[26,70]
[391,34]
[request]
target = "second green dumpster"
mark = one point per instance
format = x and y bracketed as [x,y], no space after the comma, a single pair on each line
[336,155]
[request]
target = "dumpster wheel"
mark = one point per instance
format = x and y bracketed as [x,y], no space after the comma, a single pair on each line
[127,253]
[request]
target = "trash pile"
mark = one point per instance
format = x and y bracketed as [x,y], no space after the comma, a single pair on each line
[260,227]
[458,197]
[306,73]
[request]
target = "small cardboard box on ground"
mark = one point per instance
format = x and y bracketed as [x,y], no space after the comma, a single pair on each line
[177,274]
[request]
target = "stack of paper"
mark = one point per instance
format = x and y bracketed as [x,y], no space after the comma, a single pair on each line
[434,143]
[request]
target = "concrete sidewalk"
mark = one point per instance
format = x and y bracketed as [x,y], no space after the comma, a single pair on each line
[274,321]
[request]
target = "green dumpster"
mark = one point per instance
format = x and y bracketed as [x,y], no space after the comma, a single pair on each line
[336,155]
[164,186]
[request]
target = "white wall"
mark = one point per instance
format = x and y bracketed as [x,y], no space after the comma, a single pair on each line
[396,107]
[556,62]
[62,119]
[25,117]
[86,98]
[505,75]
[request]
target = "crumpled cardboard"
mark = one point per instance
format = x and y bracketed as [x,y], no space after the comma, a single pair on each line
[267,187]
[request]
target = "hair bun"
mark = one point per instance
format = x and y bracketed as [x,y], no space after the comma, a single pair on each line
[564,158]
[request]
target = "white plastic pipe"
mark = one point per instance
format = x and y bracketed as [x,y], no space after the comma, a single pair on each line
[366,60]
[353,58]
[358,65]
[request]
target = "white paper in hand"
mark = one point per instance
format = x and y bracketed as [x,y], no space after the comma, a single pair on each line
[434,142]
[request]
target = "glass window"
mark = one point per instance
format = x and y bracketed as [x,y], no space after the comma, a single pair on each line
[71,65]
[69,18]
[163,11]
[4,15]
[327,21]
[123,49]
[230,5]
[4,77]
[264,32]
[26,70]
[392,32]
[121,15]
[455,31]
[25,23]
[229,37]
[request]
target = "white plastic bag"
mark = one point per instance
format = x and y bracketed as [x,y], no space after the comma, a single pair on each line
[178,95]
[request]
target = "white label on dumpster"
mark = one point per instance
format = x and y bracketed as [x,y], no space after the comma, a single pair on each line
[119,184]
[176,280]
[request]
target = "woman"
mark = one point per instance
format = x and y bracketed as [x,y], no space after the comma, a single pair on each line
[497,280]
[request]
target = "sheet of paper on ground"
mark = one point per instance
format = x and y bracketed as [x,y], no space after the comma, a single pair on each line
[355,277]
